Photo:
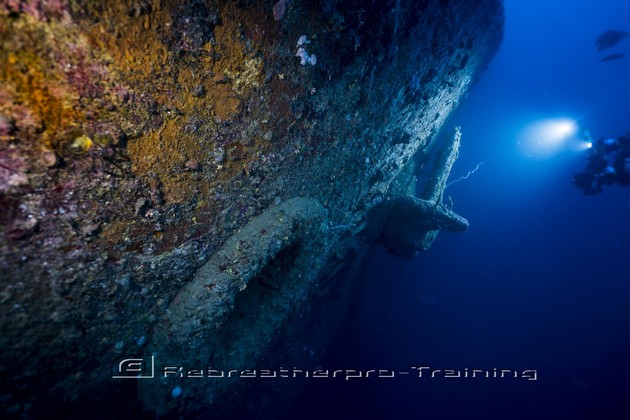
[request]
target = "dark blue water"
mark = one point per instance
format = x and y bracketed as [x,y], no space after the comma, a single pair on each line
[542,278]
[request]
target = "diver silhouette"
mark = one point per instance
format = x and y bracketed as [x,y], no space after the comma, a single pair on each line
[609,39]
[607,163]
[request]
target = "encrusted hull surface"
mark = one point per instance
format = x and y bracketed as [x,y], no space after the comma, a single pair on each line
[182,179]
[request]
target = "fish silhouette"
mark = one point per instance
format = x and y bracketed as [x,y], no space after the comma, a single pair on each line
[609,39]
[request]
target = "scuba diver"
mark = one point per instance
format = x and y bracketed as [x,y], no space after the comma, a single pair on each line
[608,162]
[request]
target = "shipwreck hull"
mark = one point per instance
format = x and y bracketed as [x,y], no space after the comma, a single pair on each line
[181,179]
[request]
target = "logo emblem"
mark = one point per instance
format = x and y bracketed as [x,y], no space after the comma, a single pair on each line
[134,368]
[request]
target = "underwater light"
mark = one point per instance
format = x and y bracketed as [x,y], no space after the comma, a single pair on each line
[583,145]
[584,142]
[562,129]
[546,137]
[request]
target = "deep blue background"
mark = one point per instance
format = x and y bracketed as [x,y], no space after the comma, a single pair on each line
[542,278]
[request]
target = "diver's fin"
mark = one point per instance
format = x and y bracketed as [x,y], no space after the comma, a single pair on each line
[612,57]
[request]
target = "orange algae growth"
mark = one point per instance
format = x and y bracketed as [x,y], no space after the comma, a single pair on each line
[52,82]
